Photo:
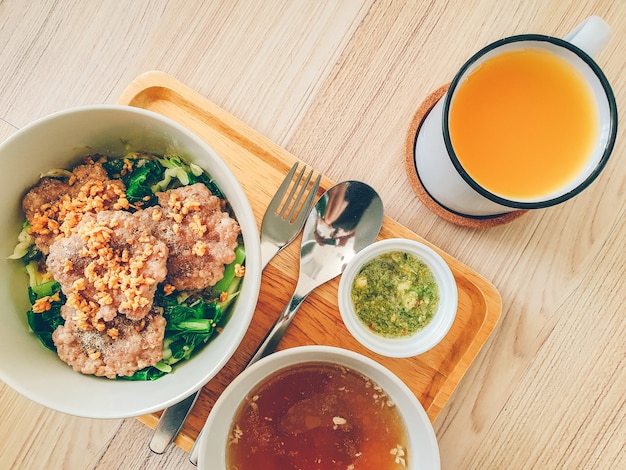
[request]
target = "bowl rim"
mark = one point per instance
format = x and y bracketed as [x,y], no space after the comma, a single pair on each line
[424,339]
[245,306]
[212,451]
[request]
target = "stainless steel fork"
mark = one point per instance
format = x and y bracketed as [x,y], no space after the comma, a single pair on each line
[285,216]
[282,222]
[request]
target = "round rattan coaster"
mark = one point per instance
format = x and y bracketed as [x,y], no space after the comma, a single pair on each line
[420,191]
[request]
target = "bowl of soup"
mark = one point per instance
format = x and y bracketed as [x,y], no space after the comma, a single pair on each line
[398,297]
[105,209]
[313,407]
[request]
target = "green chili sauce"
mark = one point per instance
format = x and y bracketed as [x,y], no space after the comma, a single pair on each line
[395,294]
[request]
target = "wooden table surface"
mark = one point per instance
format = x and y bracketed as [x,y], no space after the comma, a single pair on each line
[336,83]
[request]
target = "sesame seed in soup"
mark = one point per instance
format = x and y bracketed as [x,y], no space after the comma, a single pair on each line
[317,415]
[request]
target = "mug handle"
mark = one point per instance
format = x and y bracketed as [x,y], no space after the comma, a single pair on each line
[591,35]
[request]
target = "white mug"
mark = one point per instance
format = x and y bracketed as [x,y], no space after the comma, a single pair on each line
[441,173]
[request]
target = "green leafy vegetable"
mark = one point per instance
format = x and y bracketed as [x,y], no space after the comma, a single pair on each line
[26,250]
[139,179]
[149,373]
[148,175]
[229,271]
[45,289]
[186,174]
[43,324]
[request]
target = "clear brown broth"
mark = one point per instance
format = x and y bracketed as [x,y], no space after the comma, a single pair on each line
[317,416]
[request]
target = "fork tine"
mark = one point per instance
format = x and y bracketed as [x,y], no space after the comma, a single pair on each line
[303,190]
[308,202]
[290,197]
[274,204]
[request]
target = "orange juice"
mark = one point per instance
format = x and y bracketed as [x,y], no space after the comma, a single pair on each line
[524,124]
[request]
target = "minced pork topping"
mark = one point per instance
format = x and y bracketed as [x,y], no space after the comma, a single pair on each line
[109,262]
[54,207]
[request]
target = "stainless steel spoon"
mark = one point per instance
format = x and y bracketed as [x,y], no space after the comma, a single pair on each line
[345,219]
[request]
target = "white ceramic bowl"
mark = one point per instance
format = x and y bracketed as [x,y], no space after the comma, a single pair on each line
[422,440]
[58,141]
[422,340]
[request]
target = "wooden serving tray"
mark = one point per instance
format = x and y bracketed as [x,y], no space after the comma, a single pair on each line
[260,166]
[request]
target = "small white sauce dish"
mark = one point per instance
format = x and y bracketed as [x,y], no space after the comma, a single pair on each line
[424,339]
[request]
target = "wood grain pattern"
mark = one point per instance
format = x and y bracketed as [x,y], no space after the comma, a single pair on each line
[336,84]
[432,376]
